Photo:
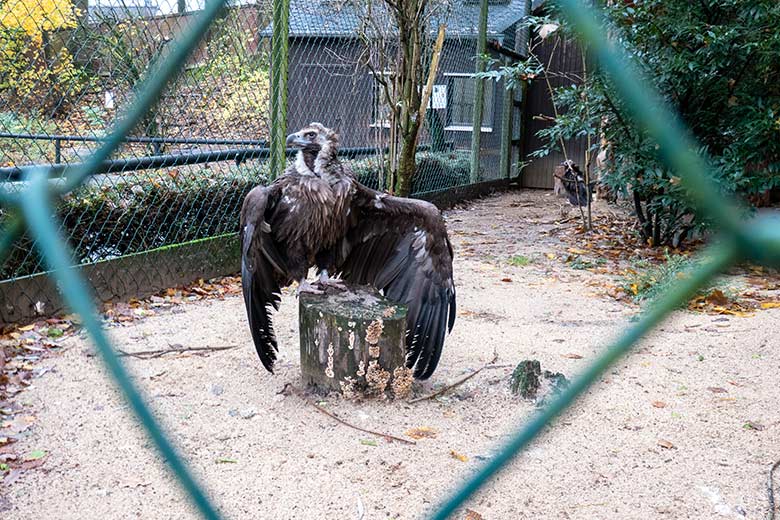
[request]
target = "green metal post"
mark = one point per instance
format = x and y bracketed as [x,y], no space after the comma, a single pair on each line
[479,90]
[279,68]
[506,130]
[522,45]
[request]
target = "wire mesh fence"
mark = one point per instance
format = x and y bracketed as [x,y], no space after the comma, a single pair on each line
[71,69]
[27,203]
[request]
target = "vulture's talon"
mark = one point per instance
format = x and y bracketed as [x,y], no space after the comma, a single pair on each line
[306,287]
[337,285]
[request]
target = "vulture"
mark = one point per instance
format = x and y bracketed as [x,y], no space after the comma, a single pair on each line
[570,180]
[317,214]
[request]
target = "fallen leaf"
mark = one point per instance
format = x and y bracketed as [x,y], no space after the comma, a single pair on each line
[665,444]
[659,404]
[423,432]
[770,305]
[472,515]
[551,256]
[717,390]
[716,297]
[224,460]
[750,425]
[459,456]
[506,279]
[35,455]
[367,442]
[571,356]
[27,327]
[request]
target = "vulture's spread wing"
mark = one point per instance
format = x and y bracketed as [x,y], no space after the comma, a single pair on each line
[400,246]
[263,269]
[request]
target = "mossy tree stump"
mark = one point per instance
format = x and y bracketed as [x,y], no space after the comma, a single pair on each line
[353,341]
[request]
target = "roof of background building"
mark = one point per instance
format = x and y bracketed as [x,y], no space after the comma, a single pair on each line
[337,18]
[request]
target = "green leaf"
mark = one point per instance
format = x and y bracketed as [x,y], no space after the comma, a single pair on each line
[54,332]
[35,455]
[367,442]
[225,460]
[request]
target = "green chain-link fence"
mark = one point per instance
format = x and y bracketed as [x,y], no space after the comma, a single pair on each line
[71,68]
[33,197]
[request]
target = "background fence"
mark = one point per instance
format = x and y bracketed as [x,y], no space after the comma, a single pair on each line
[71,68]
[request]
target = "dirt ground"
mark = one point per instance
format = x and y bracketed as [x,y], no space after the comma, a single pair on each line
[686,426]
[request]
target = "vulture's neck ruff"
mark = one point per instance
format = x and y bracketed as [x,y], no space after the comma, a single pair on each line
[318,164]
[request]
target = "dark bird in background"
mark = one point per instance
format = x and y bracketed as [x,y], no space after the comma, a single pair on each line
[317,214]
[570,180]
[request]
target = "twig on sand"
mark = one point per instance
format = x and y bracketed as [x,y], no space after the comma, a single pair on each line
[289,387]
[456,383]
[174,349]
[771,491]
[361,511]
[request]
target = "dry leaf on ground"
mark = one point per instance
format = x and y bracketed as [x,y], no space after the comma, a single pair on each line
[422,432]
[458,456]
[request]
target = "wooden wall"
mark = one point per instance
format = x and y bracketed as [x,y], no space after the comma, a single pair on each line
[566,59]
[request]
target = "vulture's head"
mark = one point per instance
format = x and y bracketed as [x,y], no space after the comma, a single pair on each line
[314,139]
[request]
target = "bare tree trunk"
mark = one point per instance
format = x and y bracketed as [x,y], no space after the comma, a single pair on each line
[399,69]
[406,165]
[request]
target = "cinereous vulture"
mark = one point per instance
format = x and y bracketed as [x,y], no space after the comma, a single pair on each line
[317,214]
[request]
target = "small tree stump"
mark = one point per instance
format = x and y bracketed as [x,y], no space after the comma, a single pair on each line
[353,341]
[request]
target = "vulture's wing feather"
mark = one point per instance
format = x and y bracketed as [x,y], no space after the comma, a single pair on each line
[400,246]
[263,269]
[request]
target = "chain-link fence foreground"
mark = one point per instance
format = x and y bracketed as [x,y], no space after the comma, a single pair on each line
[188,97]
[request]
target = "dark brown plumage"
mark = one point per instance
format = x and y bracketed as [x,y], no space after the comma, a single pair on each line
[318,214]
[570,180]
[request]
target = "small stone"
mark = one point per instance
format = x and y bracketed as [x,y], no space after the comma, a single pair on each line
[217,390]
[247,413]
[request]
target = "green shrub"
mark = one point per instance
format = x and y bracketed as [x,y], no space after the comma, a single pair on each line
[715,63]
[435,171]
[647,280]
[441,170]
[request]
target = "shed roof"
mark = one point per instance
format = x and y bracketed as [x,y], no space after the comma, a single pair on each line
[333,18]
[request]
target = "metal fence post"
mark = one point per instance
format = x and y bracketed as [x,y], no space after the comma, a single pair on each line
[479,90]
[506,129]
[279,69]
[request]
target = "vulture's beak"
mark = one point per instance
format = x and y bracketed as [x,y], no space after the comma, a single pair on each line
[296,140]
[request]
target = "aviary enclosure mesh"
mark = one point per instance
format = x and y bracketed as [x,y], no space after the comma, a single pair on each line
[27,200]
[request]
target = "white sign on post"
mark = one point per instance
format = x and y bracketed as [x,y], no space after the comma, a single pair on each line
[438,98]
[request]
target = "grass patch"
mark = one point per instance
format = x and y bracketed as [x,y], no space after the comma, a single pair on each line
[519,261]
[581,263]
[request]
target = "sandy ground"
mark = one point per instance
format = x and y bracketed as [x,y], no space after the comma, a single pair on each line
[286,461]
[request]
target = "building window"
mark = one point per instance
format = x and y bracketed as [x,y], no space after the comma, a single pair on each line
[460,103]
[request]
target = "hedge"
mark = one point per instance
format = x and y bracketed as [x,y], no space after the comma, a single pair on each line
[118,214]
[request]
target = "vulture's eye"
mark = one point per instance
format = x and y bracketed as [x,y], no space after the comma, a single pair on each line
[310,135]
